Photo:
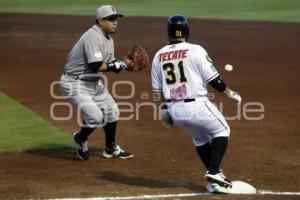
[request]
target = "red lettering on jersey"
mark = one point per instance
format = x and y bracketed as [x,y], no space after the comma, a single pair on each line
[173,55]
[184,53]
[160,57]
[165,58]
[179,54]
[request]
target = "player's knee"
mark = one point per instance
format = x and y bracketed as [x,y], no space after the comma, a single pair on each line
[223,133]
[94,120]
[200,141]
[114,114]
[97,119]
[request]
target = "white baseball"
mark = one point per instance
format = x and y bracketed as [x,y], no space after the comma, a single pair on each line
[228,67]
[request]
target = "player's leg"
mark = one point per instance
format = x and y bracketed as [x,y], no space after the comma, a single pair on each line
[111,115]
[204,152]
[185,116]
[211,153]
[218,129]
[81,98]
[84,132]
[218,149]
[215,174]
[202,121]
[93,118]
[182,114]
[80,94]
[112,149]
[110,134]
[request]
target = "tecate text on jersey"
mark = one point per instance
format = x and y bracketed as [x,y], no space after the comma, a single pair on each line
[173,55]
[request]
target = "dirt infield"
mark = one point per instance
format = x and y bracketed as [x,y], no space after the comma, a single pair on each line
[264,153]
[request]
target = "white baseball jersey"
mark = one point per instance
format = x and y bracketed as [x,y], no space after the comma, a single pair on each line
[182,71]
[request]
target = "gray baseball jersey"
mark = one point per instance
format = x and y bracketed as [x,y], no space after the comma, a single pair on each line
[78,83]
[93,46]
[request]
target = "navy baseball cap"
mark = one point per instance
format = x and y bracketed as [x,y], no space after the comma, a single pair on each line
[107,12]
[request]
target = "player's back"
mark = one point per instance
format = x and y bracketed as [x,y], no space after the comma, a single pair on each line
[178,69]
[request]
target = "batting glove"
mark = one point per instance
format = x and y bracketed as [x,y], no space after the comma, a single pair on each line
[234,95]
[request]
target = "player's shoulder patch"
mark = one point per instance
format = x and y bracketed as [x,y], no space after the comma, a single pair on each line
[97,53]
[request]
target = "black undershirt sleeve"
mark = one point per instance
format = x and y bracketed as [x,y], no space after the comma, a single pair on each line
[94,66]
[218,84]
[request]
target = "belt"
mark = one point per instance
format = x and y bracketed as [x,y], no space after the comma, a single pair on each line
[184,100]
[82,79]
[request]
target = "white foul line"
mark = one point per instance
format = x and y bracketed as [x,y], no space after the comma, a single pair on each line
[140,196]
[262,192]
[259,192]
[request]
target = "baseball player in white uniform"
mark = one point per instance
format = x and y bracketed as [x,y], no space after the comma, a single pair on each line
[181,72]
[92,54]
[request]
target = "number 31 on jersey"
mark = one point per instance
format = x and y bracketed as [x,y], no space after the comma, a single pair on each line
[169,69]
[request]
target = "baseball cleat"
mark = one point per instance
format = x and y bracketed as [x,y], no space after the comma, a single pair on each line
[81,148]
[116,152]
[219,179]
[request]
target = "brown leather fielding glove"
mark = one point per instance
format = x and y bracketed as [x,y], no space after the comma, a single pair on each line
[136,59]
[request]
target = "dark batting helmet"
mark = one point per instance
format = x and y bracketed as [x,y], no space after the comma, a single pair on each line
[178,27]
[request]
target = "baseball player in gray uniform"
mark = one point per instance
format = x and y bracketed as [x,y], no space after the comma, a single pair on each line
[92,54]
[181,71]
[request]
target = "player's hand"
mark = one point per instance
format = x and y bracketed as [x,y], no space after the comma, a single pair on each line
[166,118]
[235,96]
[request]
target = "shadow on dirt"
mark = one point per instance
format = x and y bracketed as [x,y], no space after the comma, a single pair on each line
[65,153]
[60,153]
[148,182]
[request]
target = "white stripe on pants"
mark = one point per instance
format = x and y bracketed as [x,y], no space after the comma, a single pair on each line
[200,119]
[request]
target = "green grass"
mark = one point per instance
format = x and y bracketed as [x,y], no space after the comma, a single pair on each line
[262,10]
[22,130]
